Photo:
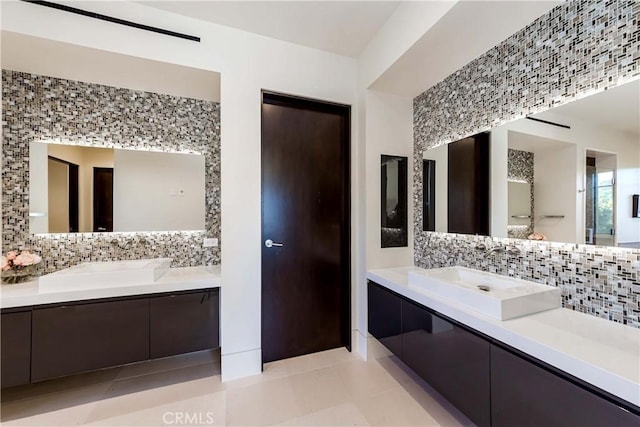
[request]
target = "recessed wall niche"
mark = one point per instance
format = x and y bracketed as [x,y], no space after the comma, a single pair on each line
[41,108]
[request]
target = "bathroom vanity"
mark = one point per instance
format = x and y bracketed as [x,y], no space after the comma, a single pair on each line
[53,334]
[553,367]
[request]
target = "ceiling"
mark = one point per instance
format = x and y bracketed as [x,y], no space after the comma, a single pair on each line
[468,30]
[341,27]
[534,143]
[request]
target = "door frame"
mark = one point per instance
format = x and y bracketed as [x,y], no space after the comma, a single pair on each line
[295,101]
[94,203]
[583,204]
[73,189]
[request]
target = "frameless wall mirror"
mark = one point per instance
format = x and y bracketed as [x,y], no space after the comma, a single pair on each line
[87,189]
[568,174]
[393,212]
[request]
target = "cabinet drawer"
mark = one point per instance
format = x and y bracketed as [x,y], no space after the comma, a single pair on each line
[385,322]
[183,323]
[451,359]
[16,348]
[77,338]
[525,394]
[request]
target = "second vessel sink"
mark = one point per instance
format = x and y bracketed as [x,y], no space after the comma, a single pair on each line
[491,294]
[105,274]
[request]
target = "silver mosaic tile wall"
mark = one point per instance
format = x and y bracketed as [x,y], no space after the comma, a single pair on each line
[520,168]
[577,49]
[40,108]
[600,281]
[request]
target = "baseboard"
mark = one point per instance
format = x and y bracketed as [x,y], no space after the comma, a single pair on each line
[359,343]
[240,365]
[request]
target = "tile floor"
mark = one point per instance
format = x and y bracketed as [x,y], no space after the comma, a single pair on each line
[331,388]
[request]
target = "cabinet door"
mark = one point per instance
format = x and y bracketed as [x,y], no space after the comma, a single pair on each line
[452,360]
[385,317]
[182,323]
[83,337]
[16,348]
[525,394]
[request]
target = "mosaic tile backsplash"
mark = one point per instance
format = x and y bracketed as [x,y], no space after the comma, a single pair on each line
[577,49]
[40,108]
[604,282]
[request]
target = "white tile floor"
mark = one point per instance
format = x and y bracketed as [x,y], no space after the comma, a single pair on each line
[332,388]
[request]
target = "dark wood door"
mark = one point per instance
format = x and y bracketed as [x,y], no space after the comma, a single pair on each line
[68,339]
[15,363]
[184,322]
[384,320]
[468,185]
[102,199]
[305,207]
[74,198]
[451,359]
[525,394]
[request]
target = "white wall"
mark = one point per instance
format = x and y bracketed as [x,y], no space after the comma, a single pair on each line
[441,156]
[518,203]
[554,191]
[628,184]
[158,191]
[387,123]
[408,23]
[247,63]
[58,189]
[389,130]
[499,158]
[72,62]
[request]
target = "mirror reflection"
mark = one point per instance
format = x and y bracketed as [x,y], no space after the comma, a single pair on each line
[568,174]
[87,189]
[457,188]
[393,190]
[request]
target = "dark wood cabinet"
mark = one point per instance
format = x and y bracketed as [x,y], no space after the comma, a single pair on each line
[453,360]
[491,383]
[75,338]
[524,393]
[182,323]
[50,341]
[15,337]
[385,321]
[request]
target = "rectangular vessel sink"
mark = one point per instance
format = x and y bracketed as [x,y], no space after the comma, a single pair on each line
[491,294]
[90,275]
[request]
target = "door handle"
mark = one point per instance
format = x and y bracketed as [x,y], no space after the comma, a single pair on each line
[270,243]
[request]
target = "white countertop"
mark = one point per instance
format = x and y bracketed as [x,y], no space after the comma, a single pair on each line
[176,279]
[598,351]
